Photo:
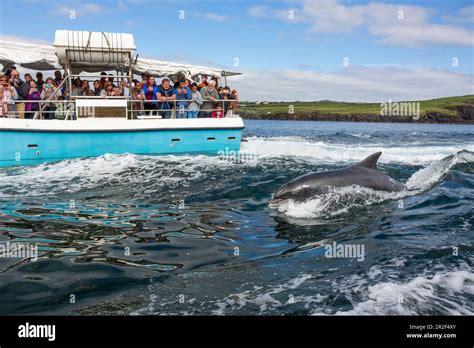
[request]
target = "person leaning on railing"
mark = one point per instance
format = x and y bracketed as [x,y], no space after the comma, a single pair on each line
[97,89]
[166,96]
[8,95]
[76,88]
[226,96]
[48,93]
[125,88]
[209,96]
[58,79]
[117,92]
[235,98]
[183,96]
[108,91]
[39,80]
[137,99]
[22,89]
[203,82]
[33,94]
[195,102]
[150,90]
[84,88]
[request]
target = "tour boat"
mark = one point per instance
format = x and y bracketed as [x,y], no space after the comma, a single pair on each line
[94,126]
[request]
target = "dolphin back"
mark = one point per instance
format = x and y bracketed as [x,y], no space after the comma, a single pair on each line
[363,173]
[370,162]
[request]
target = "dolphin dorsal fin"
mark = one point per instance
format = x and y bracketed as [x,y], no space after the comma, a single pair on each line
[370,162]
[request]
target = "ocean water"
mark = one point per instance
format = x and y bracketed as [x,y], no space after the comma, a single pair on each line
[145,235]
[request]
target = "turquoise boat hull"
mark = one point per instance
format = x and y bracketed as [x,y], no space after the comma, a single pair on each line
[33,147]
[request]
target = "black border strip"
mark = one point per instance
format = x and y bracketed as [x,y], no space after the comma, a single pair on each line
[239,330]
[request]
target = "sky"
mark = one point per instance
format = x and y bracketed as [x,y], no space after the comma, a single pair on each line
[343,50]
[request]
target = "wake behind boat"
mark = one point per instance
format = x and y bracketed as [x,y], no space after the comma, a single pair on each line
[87,124]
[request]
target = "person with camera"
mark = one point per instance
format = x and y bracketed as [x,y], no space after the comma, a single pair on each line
[33,94]
[48,93]
[183,95]
[8,95]
[203,83]
[21,88]
[84,88]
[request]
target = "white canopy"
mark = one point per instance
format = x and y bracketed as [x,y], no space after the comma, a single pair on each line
[44,57]
[161,68]
[28,55]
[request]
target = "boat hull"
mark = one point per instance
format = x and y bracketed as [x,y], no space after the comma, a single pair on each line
[22,146]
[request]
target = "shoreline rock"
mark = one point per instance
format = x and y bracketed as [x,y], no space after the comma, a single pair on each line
[465,116]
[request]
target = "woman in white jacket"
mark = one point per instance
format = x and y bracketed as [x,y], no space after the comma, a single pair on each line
[8,95]
[195,103]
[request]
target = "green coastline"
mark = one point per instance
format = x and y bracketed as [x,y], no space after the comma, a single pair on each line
[459,109]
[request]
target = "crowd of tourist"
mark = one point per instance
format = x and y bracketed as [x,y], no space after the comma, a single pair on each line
[187,99]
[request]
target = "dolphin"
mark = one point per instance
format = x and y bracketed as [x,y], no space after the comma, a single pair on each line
[363,174]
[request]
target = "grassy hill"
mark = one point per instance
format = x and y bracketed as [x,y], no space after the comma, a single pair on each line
[451,109]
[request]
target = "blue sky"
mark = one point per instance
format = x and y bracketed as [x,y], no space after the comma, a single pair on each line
[372,38]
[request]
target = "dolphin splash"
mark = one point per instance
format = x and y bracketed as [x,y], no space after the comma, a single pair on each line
[364,173]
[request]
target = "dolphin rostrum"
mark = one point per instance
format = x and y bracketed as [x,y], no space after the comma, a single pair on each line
[363,174]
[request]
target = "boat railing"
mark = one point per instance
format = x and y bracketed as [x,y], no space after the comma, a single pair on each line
[68,109]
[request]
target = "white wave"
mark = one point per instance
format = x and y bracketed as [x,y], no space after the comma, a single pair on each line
[361,135]
[264,300]
[74,175]
[441,293]
[324,152]
[436,171]
[336,201]
[339,200]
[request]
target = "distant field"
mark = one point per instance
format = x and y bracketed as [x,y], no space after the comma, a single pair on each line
[445,106]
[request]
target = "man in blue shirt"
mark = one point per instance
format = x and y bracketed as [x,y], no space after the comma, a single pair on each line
[166,97]
[183,96]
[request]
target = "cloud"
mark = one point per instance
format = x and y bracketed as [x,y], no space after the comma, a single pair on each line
[465,15]
[261,11]
[76,10]
[19,38]
[353,84]
[211,16]
[121,5]
[258,11]
[403,25]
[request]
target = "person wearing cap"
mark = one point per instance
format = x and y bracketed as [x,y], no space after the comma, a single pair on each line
[209,96]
